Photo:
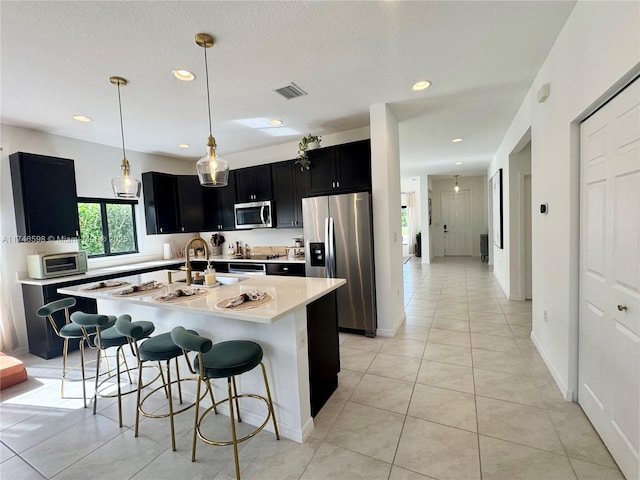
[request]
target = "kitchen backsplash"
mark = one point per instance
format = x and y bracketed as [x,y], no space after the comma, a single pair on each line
[261,237]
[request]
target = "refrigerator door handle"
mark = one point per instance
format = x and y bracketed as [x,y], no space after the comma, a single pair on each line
[331,260]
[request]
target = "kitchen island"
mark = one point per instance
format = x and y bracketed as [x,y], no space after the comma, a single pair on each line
[297,330]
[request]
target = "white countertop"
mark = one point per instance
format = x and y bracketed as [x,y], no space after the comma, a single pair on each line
[289,294]
[133,267]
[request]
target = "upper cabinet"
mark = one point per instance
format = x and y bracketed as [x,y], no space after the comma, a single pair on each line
[218,206]
[172,203]
[190,196]
[160,202]
[290,185]
[44,196]
[253,184]
[340,168]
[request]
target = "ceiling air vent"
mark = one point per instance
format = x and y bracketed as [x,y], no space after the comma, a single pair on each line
[290,91]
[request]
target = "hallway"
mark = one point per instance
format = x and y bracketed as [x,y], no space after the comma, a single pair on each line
[459,394]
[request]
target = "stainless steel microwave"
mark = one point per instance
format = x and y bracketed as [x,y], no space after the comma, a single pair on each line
[254,214]
[49,265]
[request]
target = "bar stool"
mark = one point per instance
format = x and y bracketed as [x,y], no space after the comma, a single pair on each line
[224,360]
[159,348]
[106,336]
[68,332]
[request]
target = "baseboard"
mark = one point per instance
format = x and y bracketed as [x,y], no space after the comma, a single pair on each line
[568,394]
[386,332]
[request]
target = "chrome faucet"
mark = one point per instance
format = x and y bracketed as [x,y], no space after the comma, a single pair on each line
[187,263]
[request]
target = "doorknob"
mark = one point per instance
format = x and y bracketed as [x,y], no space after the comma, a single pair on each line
[622,308]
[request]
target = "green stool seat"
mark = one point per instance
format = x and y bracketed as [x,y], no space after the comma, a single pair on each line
[159,348]
[73,330]
[231,358]
[112,338]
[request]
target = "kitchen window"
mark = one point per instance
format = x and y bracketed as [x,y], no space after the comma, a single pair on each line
[107,226]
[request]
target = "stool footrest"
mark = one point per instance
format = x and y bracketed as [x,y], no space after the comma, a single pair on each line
[242,439]
[162,388]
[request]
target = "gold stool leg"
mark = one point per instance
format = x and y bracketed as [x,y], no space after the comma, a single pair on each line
[139,394]
[173,432]
[65,348]
[235,392]
[118,352]
[271,410]
[196,419]
[178,377]
[95,389]
[233,429]
[84,386]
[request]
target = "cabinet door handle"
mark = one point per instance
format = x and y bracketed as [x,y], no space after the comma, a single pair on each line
[160,229]
[285,269]
[338,184]
[333,184]
[622,308]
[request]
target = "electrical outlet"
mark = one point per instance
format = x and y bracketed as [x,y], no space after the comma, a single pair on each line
[544,315]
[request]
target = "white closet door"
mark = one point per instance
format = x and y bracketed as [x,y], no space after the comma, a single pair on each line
[609,338]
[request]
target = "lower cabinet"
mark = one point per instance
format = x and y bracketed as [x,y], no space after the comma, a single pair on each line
[324,350]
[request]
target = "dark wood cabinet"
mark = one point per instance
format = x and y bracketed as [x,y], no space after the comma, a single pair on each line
[172,203]
[340,169]
[190,197]
[323,349]
[253,184]
[160,202]
[44,195]
[218,206]
[290,186]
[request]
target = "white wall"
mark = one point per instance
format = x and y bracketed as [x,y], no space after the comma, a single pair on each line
[477,186]
[596,49]
[385,179]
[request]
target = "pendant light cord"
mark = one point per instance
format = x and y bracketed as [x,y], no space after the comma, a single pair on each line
[124,155]
[206,70]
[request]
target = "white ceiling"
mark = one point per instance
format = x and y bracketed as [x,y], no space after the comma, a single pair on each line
[57,58]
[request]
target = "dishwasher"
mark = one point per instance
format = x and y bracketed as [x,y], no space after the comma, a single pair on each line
[248,268]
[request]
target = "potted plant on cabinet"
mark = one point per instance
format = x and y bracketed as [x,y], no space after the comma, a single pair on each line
[303,146]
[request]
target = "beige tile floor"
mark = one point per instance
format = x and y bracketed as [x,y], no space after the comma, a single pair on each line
[460,393]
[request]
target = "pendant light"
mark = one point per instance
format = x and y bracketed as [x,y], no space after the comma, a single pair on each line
[213,170]
[456,188]
[124,185]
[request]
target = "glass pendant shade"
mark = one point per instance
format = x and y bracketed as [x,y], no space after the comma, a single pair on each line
[456,188]
[213,170]
[124,185]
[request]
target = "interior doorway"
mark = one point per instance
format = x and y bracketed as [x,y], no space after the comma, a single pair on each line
[520,220]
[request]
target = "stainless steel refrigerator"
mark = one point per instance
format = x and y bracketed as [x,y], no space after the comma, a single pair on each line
[338,236]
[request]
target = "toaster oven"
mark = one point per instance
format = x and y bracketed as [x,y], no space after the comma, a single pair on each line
[49,265]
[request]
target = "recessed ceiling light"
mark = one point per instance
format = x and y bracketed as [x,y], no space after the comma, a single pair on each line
[81,118]
[184,145]
[421,85]
[457,140]
[458,163]
[184,75]
[275,122]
